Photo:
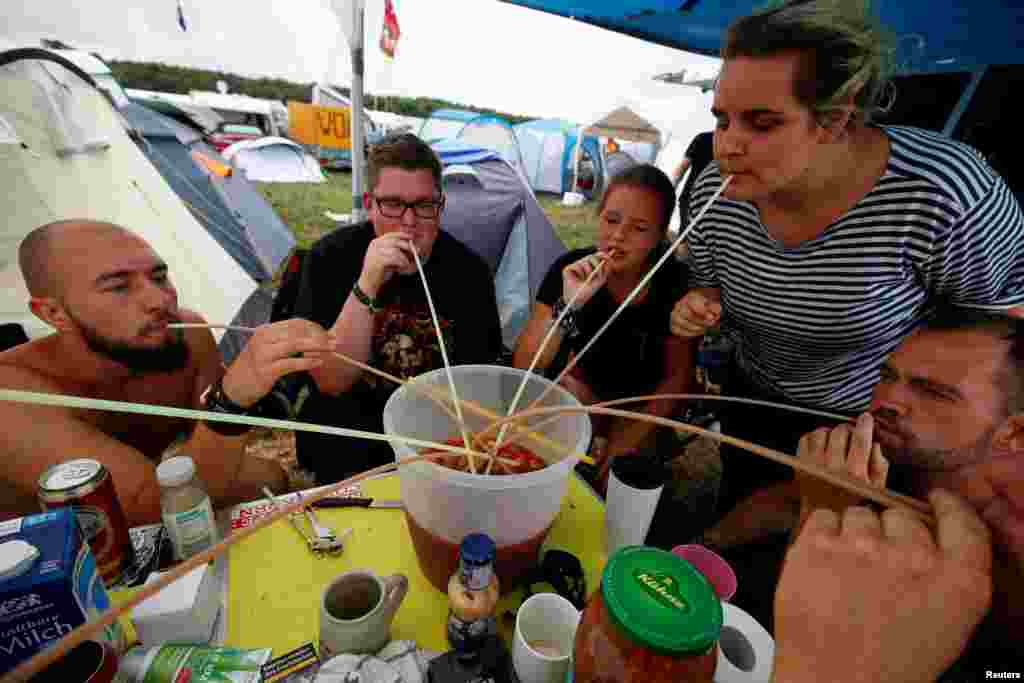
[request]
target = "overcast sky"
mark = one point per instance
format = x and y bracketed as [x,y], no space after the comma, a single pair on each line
[478,52]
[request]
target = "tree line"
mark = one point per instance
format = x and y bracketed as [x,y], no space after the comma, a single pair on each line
[182,79]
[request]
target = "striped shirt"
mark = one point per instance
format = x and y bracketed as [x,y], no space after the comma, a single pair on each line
[815,322]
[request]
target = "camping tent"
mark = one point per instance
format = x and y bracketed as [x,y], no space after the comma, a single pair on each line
[492,210]
[473,128]
[179,107]
[65,153]
[227,205]
[274,160]
[547,146]
[623,124]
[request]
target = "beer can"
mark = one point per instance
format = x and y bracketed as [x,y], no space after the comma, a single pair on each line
[86,486]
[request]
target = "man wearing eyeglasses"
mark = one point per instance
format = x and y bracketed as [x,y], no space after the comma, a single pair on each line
[361,283]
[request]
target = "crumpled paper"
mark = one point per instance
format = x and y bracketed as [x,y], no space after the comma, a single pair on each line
[400,661]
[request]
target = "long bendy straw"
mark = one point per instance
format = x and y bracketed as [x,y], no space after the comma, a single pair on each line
[444,357]
[64,401]
[674,397]
[573,362]
[537,356]
[437,395]
[879,495]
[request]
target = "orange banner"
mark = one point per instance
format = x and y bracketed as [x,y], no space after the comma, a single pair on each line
[313,124]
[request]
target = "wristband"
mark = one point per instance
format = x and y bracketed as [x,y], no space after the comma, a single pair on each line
[569,323]
[365,299]
[216,401]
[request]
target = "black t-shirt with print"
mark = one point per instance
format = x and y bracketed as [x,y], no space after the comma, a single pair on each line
[629,358]
[404,342]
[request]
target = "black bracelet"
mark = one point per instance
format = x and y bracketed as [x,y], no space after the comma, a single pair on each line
[365,299]
[570,322]
[216,401]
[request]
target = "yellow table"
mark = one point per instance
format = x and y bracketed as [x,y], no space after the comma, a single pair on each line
[274,583]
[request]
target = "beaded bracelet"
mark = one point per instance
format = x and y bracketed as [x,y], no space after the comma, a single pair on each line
[570,323]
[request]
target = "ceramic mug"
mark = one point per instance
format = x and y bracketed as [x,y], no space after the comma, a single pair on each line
[356,610]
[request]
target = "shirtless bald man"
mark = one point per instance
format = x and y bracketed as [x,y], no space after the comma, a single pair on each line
[107,294]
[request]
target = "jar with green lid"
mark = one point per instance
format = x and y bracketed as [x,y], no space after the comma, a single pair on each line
[655,619]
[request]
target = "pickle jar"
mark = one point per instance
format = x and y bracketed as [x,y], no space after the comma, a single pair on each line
[655,619]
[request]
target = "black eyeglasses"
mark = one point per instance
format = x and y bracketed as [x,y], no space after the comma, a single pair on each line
[393,207]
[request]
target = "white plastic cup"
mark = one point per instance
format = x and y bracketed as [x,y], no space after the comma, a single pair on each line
[635,484]
[545,633]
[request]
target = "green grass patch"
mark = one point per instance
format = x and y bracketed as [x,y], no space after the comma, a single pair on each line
[302,205]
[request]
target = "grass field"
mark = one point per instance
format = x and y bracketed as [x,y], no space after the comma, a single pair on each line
[301,206]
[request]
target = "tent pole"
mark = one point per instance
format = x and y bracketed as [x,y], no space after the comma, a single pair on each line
[576,159]
[358,132]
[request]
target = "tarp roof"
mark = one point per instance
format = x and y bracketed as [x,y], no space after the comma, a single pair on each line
[933,35]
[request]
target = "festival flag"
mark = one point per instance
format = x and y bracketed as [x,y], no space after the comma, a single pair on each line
[181,17]
[389,32]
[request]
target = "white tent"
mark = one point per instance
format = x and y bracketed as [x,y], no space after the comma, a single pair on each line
[274,160]
[64,153]
[665,114]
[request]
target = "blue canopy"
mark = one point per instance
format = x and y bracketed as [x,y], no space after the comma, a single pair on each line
[933,35]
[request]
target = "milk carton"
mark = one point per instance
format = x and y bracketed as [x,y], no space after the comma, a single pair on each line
[48,586]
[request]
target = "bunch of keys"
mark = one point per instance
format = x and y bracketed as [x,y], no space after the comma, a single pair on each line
[322,541]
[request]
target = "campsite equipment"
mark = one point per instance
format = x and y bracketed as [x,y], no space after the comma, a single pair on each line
[654,620]
[228,205]
[548,145]
[492,210]
[515,510]
[930,35]
[67,155]
[321,540]
[274,160]
[87,488]
[472,128]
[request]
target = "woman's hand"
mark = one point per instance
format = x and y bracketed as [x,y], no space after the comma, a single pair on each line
[576,273]
[697,312]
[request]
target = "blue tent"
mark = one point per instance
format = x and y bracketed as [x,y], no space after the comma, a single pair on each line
[933,35]
[492,210]
[473,128]
[548,146]
[230,208]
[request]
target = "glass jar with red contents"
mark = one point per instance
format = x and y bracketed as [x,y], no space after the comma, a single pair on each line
[656,619]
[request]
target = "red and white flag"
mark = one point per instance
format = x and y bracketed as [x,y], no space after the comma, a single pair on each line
[390,32]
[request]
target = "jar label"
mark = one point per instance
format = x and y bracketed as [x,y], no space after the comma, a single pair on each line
[191,531]
[663,587]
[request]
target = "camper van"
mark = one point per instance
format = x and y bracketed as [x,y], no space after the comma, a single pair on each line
[325,95]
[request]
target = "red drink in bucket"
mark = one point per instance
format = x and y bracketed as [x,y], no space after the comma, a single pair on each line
[443,505]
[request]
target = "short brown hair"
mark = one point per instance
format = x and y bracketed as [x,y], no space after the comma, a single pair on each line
[845,54]
[404,151]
